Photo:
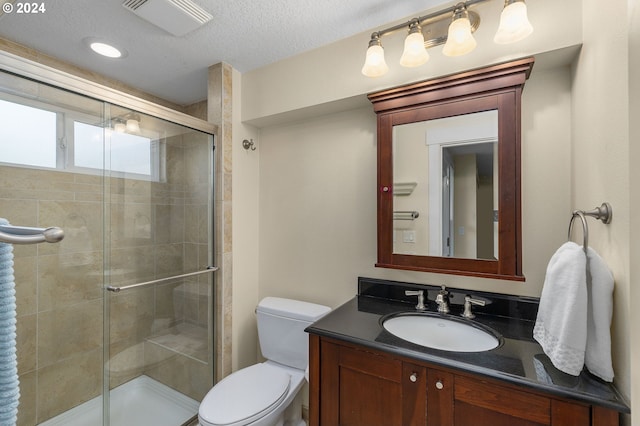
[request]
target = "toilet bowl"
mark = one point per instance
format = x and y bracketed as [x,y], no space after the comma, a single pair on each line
[267,394]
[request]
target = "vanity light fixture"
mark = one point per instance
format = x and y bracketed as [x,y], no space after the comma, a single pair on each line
[452,27]
[129,123]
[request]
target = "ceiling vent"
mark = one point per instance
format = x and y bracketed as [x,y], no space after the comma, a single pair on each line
[177,17]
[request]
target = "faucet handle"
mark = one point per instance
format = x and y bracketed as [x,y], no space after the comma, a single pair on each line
[442,299]
[468,301]
[420,293]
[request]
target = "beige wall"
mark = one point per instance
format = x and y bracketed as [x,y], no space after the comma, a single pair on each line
[245,236]
[600,156]
[634,203]
[317,230]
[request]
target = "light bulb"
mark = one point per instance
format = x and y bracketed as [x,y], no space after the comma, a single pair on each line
[414,54]
[374,64]
[514,23]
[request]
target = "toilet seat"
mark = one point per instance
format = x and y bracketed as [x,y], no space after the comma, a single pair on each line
[245,396]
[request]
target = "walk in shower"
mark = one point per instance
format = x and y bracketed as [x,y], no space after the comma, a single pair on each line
[115,322]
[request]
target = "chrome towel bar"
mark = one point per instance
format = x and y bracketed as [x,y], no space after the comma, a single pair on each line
[405,215]
[161,280]
[25,235]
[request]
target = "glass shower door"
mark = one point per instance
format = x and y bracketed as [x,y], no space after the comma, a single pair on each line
[158,205]
[133,194]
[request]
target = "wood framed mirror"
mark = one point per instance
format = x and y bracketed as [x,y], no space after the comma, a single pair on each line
[449,173]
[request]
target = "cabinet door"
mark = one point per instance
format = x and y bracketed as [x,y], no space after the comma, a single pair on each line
[439,398]
[480,403]
[359,388]
[414,396]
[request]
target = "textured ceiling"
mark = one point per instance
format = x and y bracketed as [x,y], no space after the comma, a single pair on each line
[247,34]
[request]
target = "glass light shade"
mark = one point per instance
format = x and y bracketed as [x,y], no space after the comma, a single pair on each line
[514,24]
[414,54]
[133,125]
[460,41]
[119,127]
[374,64]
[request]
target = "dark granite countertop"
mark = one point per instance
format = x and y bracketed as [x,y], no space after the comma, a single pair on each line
[518,359]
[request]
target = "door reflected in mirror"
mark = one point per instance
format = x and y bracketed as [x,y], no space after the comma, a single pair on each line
[445,174]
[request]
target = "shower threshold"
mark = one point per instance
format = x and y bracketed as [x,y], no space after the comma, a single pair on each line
[141,402]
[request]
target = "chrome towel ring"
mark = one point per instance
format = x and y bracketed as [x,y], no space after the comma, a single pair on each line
[603,213]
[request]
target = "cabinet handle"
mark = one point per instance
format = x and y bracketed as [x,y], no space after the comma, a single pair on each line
[413,377]
[439,385]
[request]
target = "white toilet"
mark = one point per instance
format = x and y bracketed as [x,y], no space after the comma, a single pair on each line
[262,394]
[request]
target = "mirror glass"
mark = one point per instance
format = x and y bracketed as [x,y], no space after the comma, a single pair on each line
[445,187]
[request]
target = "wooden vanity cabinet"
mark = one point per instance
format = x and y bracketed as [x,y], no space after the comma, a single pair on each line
[357,386]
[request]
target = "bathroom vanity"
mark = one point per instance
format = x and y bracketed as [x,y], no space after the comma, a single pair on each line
[361,374]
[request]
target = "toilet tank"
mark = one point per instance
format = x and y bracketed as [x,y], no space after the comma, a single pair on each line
[281,324]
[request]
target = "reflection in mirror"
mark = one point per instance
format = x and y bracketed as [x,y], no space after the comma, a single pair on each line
[445,175]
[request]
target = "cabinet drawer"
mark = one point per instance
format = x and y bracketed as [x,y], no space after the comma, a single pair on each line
[371,363]
[508,401]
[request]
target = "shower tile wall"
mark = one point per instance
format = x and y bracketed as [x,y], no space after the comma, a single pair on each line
[156,230]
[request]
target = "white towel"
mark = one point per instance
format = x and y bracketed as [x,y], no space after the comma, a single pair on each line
[600,310]
[561,324]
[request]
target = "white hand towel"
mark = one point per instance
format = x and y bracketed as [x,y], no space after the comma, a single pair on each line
[561,324]
[600,286]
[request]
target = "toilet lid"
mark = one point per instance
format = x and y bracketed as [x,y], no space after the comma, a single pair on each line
[245,395]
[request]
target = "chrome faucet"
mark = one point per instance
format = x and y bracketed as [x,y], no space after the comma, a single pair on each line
[442,299]
[468,301]
[420,293]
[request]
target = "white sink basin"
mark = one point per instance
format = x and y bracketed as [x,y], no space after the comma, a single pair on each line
[439,332]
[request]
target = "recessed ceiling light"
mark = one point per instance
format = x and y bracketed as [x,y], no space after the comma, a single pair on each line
[105,49]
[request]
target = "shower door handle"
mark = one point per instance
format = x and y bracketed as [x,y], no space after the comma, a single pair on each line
[162,280]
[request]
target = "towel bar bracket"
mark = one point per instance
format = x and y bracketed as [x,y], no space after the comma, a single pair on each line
[603,213]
